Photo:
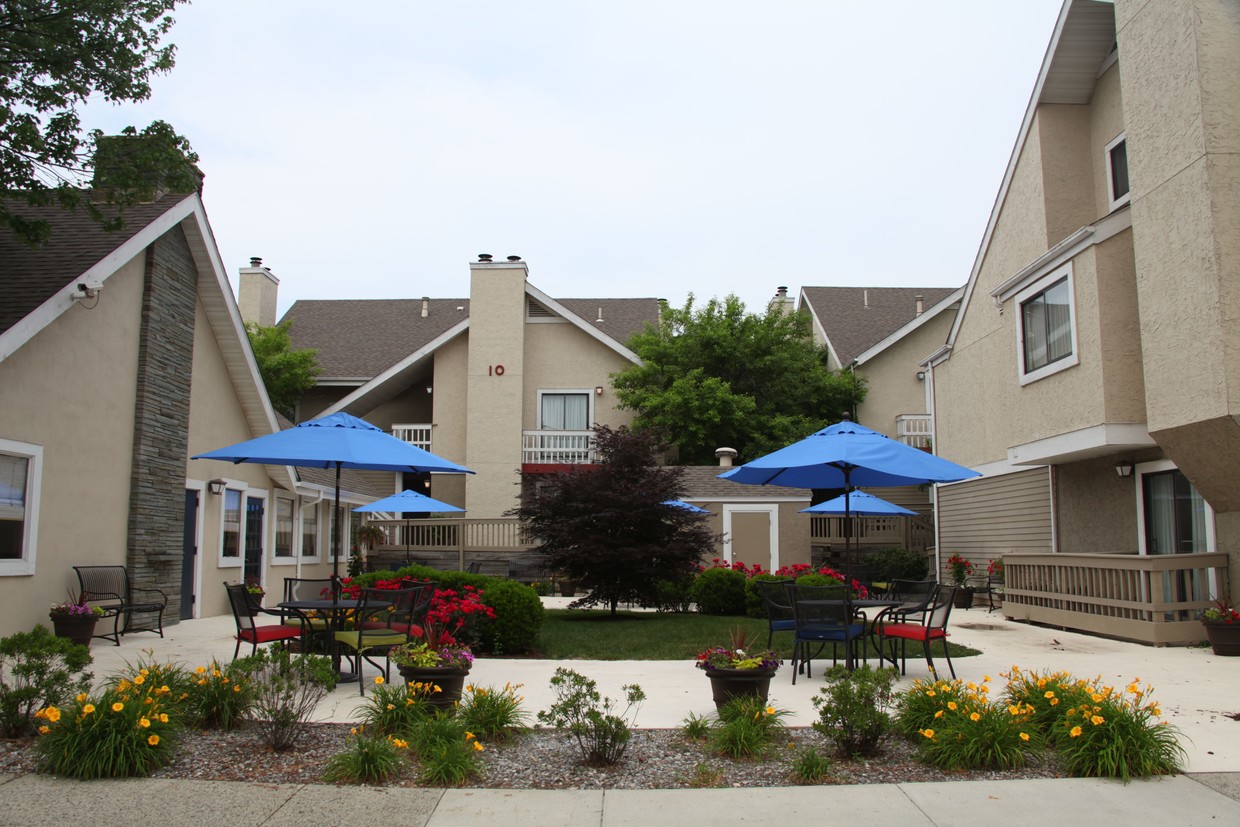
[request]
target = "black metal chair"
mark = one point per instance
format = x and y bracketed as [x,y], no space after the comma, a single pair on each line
[823,614]
[244,612]
[915,596]
[109,587]
[408,607]
[370,638]
[931,627]
[778,607]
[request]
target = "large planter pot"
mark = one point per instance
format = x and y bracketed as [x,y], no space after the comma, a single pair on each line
[79,629]
[963,598]
[568,588]
[449,679]
[726,684]
[1224,637]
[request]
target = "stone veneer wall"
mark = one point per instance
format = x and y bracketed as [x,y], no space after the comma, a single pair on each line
[161,419]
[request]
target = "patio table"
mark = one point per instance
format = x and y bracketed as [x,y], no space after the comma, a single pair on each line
[336,610]
[883,603]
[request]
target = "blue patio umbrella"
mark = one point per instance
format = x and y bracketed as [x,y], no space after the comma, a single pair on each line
[336,441]
[408,500]
[859,502]
[686,506]
[844,455]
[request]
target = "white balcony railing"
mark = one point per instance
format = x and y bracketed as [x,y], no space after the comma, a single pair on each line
[914,429]
[556,448]
[418,436]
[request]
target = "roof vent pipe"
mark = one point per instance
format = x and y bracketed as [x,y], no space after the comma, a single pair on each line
[865,298]
[426,306]
[725,455]
[921,307]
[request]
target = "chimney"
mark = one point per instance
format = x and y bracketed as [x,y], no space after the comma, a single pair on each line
[426,306]
[257,290]
[725,455]
[782,301]
[921,307]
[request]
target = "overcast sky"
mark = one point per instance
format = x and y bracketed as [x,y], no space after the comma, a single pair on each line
[624,149]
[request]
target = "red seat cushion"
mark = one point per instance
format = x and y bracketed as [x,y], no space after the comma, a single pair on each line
[266,634]
[913,631]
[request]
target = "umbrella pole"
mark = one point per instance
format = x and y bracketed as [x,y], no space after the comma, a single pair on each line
[336,534]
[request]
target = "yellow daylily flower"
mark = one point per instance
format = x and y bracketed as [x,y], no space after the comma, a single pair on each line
[1024,736]
[144,723]
[1076,732]
[118,706]
[153,740]
[974,717]
[89,708]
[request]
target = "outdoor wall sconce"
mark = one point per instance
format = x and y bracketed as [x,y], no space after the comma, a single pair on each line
[217,486]
[1124,468]
[921,376]
[598,390]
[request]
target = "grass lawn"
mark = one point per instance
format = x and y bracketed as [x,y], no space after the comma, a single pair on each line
[596,635]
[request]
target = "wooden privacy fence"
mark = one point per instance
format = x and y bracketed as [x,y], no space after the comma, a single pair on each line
[1148,598]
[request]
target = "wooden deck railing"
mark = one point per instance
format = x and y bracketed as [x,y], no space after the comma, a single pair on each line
[1152,599]
[460,540]
[873,532]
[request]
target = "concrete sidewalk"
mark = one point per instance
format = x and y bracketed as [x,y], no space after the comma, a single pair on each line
[1196,690]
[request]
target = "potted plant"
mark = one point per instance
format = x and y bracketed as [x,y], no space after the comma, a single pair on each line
[255,593]
[1222,624]
[75,618]
[738,669]
[436,659]
[961,570]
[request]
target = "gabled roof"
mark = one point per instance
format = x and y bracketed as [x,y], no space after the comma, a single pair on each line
[854,319]
[37,284]
[1083,40]
[701,482]
[395,328]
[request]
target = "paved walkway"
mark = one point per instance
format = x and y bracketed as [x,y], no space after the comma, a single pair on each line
[1196,690]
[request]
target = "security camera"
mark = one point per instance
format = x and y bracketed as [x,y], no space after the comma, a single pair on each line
[88,289]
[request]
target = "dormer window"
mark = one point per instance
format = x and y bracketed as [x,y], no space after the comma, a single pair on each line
[1117,171]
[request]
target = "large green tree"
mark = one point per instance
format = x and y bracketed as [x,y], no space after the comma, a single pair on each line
[720,376]
[287,373]
[54,54]
[607,526]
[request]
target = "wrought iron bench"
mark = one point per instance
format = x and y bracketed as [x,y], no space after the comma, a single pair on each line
[109,588]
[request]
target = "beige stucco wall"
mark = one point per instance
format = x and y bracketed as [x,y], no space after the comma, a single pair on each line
[563,356]
[71,390]
[449,417]
[496,330]
[894,388]
[1063,143]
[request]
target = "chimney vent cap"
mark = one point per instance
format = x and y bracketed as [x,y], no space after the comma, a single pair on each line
[484,256]
[514,258]
[255,261]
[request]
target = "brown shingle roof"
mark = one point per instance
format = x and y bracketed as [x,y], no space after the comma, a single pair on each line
[30,276]
[702,482]
[856,318]
[360,338]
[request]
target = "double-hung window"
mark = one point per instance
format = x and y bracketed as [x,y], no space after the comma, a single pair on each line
[20,476]
[283,552]
[310,530]
[1046,327]
[1117,171]
[230,547]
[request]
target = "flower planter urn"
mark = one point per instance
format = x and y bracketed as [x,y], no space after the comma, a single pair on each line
[449,679]
[79,629]
[568,588]
[963,598]
[1224,637]
[726,684]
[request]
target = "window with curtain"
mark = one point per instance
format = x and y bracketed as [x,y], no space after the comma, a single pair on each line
[232,524]
[1175,514]
[1046,326]
[310,530]
[284,528]
[565,412]
[13,493]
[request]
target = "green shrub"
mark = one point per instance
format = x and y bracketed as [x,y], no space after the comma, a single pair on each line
[754,607]
[895,563]
[810,766]
[1117,735]
[746,727]
[494,714]
[541,588]
[447,750]
[286,690]
[719,591]
[38,669]
[126,730]
[674,595]
[588,718]
[518,617]
[816,579]
[368,759]
[696,727]
[217,697]
[852,709]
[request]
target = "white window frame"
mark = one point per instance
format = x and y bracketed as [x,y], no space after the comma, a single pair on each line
[25,565]
[318,532]
[291,560]
[589,393]
[1039,286]
[1157,467]
[238,561]
[1114,202]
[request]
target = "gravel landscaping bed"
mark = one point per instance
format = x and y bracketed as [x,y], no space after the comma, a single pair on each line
[542,759]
